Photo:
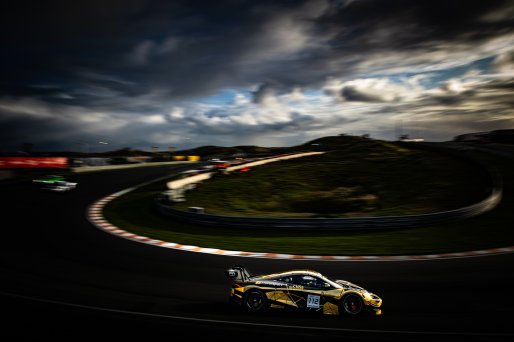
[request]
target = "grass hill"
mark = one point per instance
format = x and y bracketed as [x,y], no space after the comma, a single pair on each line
[355,177]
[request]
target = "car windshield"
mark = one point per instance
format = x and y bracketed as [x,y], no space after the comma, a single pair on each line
[333,283]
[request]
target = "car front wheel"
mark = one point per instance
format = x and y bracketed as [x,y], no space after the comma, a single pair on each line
[352,304]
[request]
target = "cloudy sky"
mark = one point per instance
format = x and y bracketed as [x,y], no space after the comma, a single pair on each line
[136,73]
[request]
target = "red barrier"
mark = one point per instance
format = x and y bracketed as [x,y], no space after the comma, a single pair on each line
[33,162]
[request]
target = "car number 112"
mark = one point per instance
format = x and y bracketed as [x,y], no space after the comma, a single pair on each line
[312,301]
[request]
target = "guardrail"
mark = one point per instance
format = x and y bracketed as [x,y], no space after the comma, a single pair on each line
[357,223]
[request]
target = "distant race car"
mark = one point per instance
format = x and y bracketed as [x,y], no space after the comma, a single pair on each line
[55,183]
[48,179]
[60,186]
[300,290]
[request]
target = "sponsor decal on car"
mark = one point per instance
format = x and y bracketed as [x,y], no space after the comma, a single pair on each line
[265,283]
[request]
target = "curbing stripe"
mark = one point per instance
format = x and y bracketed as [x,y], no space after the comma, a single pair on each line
[94,215]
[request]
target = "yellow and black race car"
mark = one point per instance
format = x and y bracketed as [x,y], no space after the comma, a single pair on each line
[300,290]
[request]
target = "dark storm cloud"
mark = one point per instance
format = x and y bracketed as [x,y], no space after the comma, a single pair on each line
[190,48]
[450,100]
[266,90]
[131,57]
[19,130]
[406,24]
[349,93]
[486,97]
[182,48]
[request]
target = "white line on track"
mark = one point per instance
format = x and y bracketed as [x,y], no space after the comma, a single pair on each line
[194,319]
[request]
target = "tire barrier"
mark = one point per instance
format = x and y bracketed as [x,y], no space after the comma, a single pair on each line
[357,223]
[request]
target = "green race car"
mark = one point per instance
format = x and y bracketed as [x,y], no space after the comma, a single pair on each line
[48,179]
[300,290]
[55,183]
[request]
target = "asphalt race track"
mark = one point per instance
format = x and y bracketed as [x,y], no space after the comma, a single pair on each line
[63,278]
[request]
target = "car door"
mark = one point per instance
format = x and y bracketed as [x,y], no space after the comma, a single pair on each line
[306,291]
[280,294]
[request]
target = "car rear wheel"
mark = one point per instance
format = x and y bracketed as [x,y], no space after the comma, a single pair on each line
[352,304]
[255,301]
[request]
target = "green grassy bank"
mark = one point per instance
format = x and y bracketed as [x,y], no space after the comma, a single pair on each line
[400,181]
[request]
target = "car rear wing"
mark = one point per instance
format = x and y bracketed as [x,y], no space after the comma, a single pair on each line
[239,273]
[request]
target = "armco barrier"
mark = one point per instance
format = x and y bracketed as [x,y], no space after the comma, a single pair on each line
[358,223]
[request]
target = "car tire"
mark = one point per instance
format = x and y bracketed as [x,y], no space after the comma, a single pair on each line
[351,305]
[255,301]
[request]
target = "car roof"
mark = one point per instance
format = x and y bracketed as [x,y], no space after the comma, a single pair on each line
[293,272]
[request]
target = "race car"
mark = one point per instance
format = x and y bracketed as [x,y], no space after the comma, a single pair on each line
[300,290]
[55,183]
[60,186]
[48,179]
